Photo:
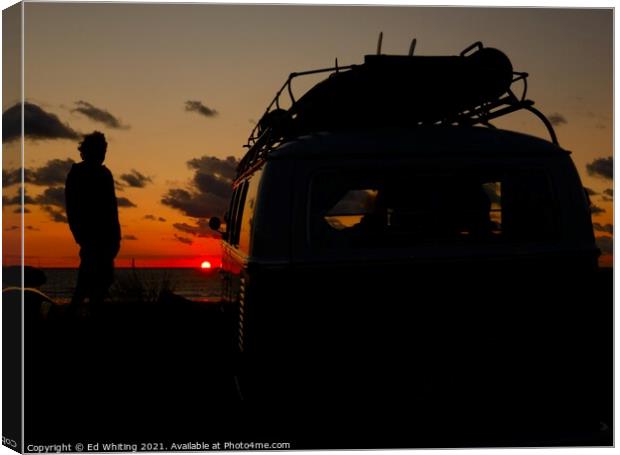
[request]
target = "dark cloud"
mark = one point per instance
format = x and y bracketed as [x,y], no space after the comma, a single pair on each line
[55,214]
[28,228]
[209,190]
[557,119]
[38,124]
[52,201]
[196,205]
[596,210]
[17,199]
[606,244]
[135,179]
[98,115]
[601,167]
[197,106]
[200,229]
[52,196]
[590,191]
[54,172]
[124,202]
[154,218]
[129,237]
[603,228]
[11,177]
[183,239]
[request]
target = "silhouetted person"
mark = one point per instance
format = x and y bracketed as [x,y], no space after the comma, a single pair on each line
[93,218]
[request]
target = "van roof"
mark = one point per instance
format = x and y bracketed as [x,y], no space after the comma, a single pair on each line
[418,141]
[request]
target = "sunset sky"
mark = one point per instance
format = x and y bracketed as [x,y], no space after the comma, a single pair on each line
[176,90]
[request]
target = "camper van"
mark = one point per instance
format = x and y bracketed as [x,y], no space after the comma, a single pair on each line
[384,240]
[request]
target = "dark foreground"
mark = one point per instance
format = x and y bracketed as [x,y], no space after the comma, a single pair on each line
[165,373]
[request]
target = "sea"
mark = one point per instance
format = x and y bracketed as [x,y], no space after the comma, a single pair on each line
[193,284]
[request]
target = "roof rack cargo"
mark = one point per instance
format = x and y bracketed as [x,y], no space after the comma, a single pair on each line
[468,89]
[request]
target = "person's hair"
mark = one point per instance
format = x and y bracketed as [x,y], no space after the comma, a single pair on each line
[93,147]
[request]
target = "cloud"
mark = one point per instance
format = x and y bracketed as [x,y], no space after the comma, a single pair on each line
[38,124]
[98,115]
[129,237]
[154,218]
[124,202]
[192,204]
[183,239]
[54,172]
[590,191]
[198,107]
[200,229]
[209,190]
[557,119]
[135,179]
[603,228]
[52,196]
[52,201]
[55,214]
[11,177]
[596,210]
[17,199]
[601,167]
[606,244]
[608,194]
[28,228]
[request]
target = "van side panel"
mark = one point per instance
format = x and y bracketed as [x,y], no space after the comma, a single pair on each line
[271,231]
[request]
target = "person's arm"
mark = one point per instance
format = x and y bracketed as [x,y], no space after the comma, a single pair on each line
[116,237]
[74,215]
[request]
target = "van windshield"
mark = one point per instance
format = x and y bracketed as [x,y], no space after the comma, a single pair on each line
[366,208]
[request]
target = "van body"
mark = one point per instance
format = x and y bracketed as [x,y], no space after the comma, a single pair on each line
[396,261]
[387,263]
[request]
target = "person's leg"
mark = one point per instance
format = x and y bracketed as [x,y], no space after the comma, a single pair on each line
[84,286]
[102,280]
[81,289]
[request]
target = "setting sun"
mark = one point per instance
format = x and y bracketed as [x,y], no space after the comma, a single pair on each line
[205,265]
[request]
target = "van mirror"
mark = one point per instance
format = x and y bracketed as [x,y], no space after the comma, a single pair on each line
[215,223]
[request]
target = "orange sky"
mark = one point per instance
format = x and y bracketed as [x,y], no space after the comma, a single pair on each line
[141,63]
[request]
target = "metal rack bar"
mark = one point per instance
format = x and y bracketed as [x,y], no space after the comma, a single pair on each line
[260,142]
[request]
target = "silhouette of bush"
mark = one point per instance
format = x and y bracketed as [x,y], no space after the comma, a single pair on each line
[142,287]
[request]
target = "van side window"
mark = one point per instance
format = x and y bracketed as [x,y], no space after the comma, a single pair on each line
[249,207]
[369,208]
[234,211]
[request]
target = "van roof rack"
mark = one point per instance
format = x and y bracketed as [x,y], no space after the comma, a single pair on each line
[470,89]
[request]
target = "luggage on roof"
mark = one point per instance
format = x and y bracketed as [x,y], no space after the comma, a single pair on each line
[471,88]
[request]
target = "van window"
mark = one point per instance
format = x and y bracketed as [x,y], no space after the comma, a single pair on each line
[247,216]
[234,212]
[367,208]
